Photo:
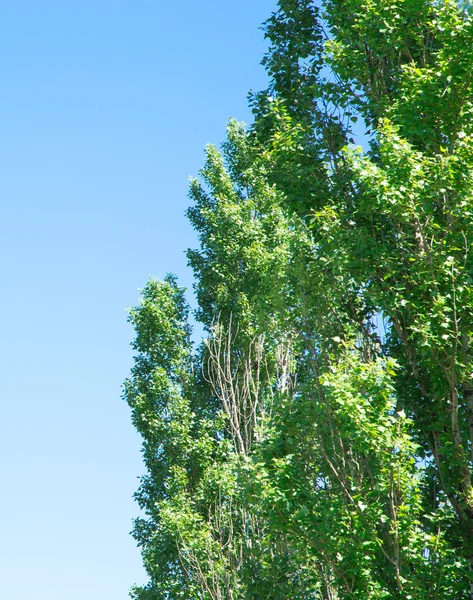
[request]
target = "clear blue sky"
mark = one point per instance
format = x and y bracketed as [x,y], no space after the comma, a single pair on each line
[105,108]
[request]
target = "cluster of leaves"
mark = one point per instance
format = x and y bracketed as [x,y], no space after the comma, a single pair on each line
[319,442]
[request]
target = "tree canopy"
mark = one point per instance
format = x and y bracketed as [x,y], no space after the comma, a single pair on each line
[318,443]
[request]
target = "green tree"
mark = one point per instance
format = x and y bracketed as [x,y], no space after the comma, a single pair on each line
[319,442]
[401,213]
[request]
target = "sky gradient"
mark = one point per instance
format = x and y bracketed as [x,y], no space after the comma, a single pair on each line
[105,110]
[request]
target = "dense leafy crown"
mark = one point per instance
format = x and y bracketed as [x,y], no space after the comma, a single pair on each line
[318,444]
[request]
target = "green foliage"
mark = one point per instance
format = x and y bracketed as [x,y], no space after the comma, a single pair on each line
[318,444]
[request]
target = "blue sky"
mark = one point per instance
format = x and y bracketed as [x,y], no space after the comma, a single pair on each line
[105,110]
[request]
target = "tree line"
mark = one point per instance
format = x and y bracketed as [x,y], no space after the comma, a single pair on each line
[318,443]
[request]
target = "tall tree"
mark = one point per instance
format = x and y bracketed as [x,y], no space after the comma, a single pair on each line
[402,211]
[319,442]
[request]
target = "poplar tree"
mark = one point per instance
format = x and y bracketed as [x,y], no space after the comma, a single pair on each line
[319,442]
